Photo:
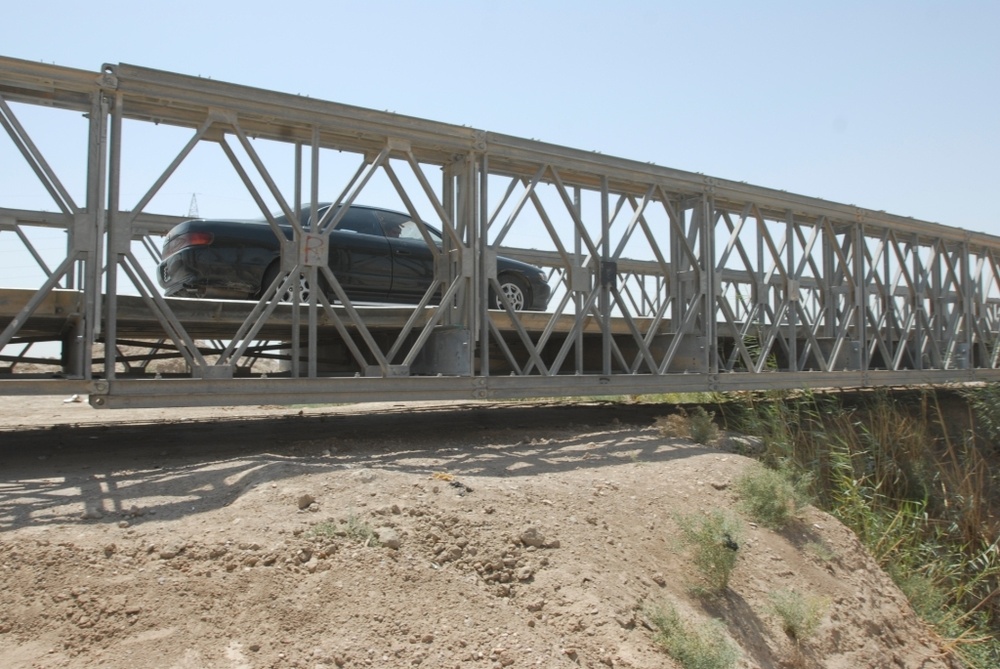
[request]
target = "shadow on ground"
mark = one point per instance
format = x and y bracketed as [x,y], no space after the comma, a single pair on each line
[98,473]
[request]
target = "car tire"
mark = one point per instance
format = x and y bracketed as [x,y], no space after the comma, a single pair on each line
[305,289]
[515,289]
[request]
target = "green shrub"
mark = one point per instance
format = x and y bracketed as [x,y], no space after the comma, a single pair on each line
[770,496]
[703,427]
[820,550]
[714,542]
[324,530]
[698,425]
[353,528]
[693,645]
[361,531]
[800,614]
[984,401]
[927,598]
[674,426]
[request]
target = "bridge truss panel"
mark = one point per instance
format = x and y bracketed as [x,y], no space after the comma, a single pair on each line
[660,280]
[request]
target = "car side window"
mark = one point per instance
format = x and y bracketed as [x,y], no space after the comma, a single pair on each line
[392,223]
[361,221]
[402,227]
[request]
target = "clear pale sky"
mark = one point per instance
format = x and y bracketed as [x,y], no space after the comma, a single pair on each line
[889,105]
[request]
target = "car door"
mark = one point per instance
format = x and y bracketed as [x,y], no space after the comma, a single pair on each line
[412,259]
[360,256]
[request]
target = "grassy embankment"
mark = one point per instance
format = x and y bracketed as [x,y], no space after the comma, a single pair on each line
[915,475]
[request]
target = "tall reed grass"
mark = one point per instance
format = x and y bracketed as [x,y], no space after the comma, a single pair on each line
[915,476]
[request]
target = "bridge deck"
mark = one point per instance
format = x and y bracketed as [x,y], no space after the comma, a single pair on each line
[219,319]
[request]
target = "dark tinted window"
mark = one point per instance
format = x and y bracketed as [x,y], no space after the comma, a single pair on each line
[360,220]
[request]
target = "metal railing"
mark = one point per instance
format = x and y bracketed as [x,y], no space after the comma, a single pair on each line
[661,280]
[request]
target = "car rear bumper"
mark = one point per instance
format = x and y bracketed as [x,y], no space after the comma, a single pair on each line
[187,274]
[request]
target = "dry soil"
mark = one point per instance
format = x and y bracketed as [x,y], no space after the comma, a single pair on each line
[468,536]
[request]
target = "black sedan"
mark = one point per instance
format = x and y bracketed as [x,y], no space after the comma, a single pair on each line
[377,256]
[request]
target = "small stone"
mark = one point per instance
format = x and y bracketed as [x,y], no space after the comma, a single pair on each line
[535,605]
[626,619]
[451,553]
[532,537]
[389,537]
[171,552]
[305,501]
[659,579]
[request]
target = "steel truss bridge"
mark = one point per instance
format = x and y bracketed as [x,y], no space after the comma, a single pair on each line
[663,280]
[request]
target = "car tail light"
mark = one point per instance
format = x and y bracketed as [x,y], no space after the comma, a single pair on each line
[185,240]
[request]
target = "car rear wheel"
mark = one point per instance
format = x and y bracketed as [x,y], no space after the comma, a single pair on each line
[305,288]
[515,289]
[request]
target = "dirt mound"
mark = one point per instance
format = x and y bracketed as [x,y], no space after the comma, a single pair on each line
[474,536]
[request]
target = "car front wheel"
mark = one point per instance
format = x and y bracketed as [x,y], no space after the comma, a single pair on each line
[515,289]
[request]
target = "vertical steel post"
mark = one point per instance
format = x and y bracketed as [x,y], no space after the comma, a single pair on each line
[938,306]
[890,327]
[115,222]
[607,276]
[920,333]
[459,199]
[827,289]
[860,293]
[678,268]
[93,232]
[967,335]
[578,298]
[481,281]
[710,286]
[296,325]
[792,294]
